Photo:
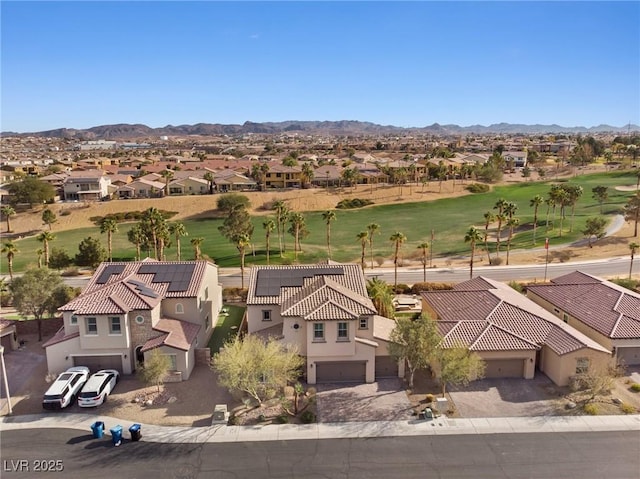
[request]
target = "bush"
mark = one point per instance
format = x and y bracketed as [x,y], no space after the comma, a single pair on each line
[282,419]
[591,409]
[627,408]
[307,417]
[353,203]
[65,213]
[73,271]
[477,188]
[261,418]
[517,286]
[429,286]
[402,288]
[635,387]
[430,398]
[495,261]
[233,294]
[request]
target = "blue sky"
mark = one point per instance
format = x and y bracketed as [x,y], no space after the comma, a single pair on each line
[83,64]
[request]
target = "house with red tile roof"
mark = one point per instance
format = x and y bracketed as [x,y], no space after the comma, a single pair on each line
[129,309]
[602,310]
[324,311]
[512,334]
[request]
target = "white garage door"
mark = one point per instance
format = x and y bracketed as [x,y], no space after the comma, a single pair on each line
[504,368]
[95,363]
[629,356]
[343,371]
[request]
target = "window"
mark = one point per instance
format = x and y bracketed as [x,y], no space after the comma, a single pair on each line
[318,331]
[92,325]
[364,323]
[140,319]
[582,365]
[114,325]
[173,362]
[179,308]
[266,315]
[206,293]
[343,331]
[74,319]
[565,317]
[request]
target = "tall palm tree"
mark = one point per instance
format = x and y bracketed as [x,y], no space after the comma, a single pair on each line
[362,237]
[153,223]
[472,236]
[550,202]
[45,238]
[109,225]
[372,228]
[633,247]
[40,253]
[10,249]
[268,226]
[282,214]
[8,212]
[178,230]
[574,192]
[328,217]
[500,205]
[489,218]
[136,236]
[307,174]
[168,176]
[197,243]
[511,224]
[397,239]
[535,202]
[562,199]
[209,177]
[297,225]
[242,241]
[424,247]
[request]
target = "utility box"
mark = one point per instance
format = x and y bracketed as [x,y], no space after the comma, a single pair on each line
[220,415]
[442,405]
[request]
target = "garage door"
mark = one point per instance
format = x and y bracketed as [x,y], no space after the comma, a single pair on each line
[386,367]
[347,371]
[505,368]
[94,363]
[6,342]
[630,356]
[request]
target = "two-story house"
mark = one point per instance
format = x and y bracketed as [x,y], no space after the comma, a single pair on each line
[129,309]
[90,185]
[323,310]
[280,176]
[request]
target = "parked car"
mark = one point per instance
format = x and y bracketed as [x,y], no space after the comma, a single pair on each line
[98,387]
[65,388]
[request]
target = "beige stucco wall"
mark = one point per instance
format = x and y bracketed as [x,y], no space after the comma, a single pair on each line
[60,355]
[185,360]
[254,317]
[296,336]
[104,340]
[331,347]
[363,352]
[560,368]
[10,332]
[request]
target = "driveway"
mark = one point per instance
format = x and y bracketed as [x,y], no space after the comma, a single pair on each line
[508,397]
[383,400]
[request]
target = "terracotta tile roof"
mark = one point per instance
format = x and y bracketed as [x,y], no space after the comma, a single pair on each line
[464,333]
[272,332]
[113,298]
[520,322]
[495,338]
[458,305]
[177,334]
[476,284]
[382,327]
[577,277]
[60,337]
[562,342]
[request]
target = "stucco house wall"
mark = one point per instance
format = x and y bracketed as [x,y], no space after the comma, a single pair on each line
[560,369]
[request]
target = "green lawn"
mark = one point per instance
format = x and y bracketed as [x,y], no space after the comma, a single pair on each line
[223,330]
[449,218]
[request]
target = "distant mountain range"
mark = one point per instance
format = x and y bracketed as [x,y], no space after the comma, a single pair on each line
[345,127]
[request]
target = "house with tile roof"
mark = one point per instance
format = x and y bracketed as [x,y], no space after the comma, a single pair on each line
[511,333]
[129,309]
[323,310]
[602,310]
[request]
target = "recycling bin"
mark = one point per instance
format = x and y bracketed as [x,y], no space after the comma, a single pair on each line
[98,429]
[135,432]
[116,435]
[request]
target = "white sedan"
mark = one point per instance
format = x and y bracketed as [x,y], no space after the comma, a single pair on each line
[98,387]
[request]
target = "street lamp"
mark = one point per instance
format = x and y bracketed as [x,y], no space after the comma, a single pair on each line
[4,377]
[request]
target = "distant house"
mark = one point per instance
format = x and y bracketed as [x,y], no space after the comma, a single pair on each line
[325,311]
[8,335]
[89,185]
[517,159]
[141,188]
[231,180]
[130,309]
[189,186]
[280,176]
[602,310]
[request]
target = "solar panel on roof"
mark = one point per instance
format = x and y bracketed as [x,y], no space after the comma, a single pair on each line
[270,281]
[108,271]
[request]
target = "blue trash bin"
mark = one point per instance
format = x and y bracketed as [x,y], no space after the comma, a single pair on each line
[98,429]
[135,432]
[116,435]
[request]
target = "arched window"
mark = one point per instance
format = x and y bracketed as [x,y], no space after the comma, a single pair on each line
[179,308]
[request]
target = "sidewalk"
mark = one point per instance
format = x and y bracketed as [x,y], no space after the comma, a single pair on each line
[285,432]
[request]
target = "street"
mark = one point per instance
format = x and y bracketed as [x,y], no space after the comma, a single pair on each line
[557,455]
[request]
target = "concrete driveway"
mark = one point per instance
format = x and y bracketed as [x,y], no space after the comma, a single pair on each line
[508,397]
[26,371]
[384,400]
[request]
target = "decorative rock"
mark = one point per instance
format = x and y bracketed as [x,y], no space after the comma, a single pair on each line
[570,405]
[172,399]
[616,401]
[136,400]
[148,402]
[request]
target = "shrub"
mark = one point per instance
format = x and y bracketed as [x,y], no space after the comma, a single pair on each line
[477,188]
[635,387]
[430,398]
[591,409]
[307,417]
[517,286]
[627,408]
[353,203]
[282,419]
[261,418]
[495,261]
[311,391]
[73,271]
[402,288]
[231,294]
[428,286]
[65,213]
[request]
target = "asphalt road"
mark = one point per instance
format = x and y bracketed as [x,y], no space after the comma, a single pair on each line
[560,455]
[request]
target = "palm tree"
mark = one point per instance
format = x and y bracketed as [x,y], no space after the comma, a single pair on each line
[562,198]
[209,177]
[153,223]
[511,223]
[424,247]
[168,176]
[362,237]
[633,247]
[550,202]
[242,241]
[372,228]
[109,225]
[8,212]
[268,226]
[197,243]
[489,218]
[381,296]
[282,214]
[397,239]
[45,237]
[472,236]
[10,249]
[500,205]
[328,217]
[136,236]
[307,174]
[40,253]
[297,227]
[574,192]
[178,230]
[535,202]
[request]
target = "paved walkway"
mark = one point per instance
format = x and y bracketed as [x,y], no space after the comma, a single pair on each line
[285,432]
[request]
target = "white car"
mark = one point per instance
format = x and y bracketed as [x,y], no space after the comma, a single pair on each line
[65,388]
[98,387]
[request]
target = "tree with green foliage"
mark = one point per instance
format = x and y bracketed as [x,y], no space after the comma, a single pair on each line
[600,194]
[10,249]
[154,228]
[307,175]
[109,225]
[208,176]
[535,203]
[178,230]
[30,190]
[282,216]
[362,237]
[397,239]
[382,297]
[168,176]
[258,368]
[32,293]
[415,342]
[472,237]
[574,193]
[90,253]
[328,217]
[632,212]
[48,218]
[59,259]
[594,227]
[8,211]
[298,229]
[136,236]
[489,218]
[45,238]
[60,296]
[512,223]
[230,202]
[241,242]
[154,369]
[458,366]
[238,228]
[269,226]
[500,205]
[633,247]
[372,229]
